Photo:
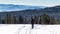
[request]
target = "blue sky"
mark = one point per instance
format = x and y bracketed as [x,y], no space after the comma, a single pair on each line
[32,2]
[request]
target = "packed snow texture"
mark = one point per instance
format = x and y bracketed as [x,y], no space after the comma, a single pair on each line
[26,29]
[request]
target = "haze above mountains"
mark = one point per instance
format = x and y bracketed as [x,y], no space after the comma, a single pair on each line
[11,7]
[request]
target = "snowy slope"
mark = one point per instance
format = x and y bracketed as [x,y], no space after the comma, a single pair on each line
[26,29]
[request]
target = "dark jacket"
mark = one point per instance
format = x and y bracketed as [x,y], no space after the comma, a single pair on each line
[32,22]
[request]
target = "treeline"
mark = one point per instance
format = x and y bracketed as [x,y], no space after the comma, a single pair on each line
[43,19]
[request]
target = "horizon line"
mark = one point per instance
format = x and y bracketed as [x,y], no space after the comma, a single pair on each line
[32,5]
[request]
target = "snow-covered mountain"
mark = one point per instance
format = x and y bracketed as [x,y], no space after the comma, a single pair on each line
[11,7]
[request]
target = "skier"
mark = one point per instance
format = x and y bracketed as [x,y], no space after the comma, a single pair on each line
[32,22]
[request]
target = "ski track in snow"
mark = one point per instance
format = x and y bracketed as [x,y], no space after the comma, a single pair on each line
[26,29]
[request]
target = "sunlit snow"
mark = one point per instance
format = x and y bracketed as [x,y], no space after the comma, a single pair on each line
[26,29]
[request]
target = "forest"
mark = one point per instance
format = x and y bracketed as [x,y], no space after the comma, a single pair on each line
[49,15]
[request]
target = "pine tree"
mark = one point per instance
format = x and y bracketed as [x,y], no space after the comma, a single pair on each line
[36,19]
[52,21]
[21,20]
[8,19]
[0,20]
[45,19]
[14,21]
[40,20]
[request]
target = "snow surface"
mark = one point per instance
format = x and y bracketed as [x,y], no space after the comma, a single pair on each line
[26,29]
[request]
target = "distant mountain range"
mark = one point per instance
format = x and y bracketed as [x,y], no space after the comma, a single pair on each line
[52,11]
[29,10]
[11,7]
